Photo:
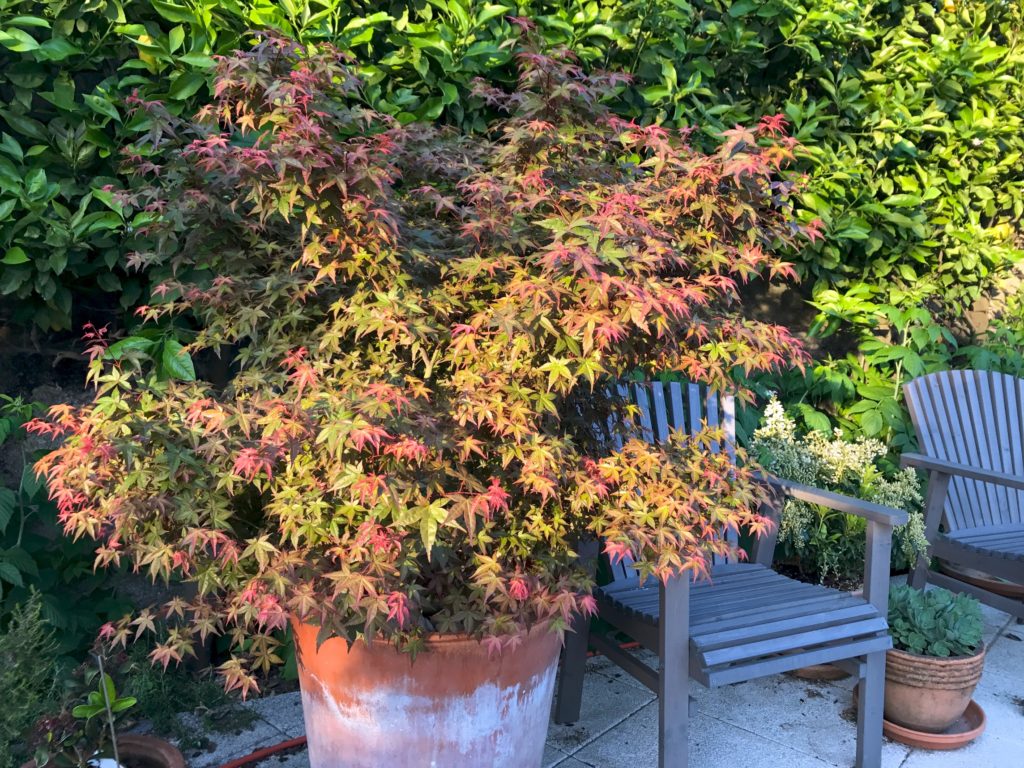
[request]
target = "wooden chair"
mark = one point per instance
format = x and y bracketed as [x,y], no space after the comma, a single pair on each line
[970,426]
[747,621]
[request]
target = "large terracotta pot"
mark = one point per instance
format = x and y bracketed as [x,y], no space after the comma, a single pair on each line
[370,706]
[929,694]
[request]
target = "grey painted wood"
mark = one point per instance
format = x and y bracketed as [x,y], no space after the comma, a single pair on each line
[970,428]
[660,408]
[870,706]
[828,654]
[613,651]
[642,401]
[763,550]
[569,697]
[674,675]
[877,562]
[980,474]
[837,501]
[935,500]
[693,403]
[675,391]
[767,630]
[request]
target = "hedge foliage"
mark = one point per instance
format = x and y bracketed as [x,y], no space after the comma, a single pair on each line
[911,113]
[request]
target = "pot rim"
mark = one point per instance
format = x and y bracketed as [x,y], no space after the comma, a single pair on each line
[434,639]
[172,757]
[912,655]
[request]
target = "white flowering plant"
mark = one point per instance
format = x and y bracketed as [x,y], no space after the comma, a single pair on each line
[822,543]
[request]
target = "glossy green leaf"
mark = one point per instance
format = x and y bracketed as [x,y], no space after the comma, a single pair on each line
[58,49]
[176,363]
[17,40]
[15,255]
[102,106]
[185,85]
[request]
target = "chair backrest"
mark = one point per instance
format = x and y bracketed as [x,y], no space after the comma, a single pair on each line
[675,406]
[974,418]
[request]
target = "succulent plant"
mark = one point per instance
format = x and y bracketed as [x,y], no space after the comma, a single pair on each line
[934,623]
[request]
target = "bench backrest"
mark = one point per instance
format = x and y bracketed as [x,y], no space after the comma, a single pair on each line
[974,418]
[675,406]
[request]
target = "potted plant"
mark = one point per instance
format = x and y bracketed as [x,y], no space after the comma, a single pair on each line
[420,328]
[937,659]
[823,545]
[85,735]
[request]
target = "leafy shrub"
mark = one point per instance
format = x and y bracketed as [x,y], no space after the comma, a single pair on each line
[908,113]
[82,733]
[1001,348]
[28,676]
[36,558]
[934,622]
[165,694]
[422,324]
[828,544]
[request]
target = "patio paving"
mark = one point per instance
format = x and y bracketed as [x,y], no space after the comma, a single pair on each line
[776,721]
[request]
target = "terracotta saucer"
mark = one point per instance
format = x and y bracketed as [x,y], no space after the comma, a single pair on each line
[965,730]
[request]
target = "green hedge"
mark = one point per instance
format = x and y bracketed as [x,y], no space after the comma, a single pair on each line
[910,115]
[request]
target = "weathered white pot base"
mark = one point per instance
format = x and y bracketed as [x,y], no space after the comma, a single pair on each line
[371,706]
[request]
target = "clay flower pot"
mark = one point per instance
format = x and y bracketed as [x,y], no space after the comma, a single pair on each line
[370,706]
[819,672]
[138,751]
[929,694]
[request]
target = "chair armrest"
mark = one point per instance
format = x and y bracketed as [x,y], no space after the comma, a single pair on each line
[837,501]
[930,464]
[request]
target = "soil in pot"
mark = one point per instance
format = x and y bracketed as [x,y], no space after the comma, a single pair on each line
[457,704]
[929,694]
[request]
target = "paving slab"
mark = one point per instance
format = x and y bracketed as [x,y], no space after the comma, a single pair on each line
[814,718]
[300,759]
[607,701]
[229,746]
[283,711]
[776,722]
[1000,746]
[295,759]
[713,744]
[553,756]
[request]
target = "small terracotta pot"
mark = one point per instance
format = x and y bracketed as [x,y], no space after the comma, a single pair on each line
[370,706]
[137,751]
[820,672]
[927,693]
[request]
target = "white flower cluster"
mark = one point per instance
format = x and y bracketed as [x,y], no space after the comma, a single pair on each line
[822,537]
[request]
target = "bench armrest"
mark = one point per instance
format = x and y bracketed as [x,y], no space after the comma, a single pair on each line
[980,474]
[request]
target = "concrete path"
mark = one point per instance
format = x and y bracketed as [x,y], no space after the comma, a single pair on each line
[775,722]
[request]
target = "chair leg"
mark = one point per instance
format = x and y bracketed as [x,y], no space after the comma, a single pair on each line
[674,675]
[569,699]
[919,576]
[870,704]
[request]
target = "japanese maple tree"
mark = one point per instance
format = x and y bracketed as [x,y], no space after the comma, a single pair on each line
[422,327]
